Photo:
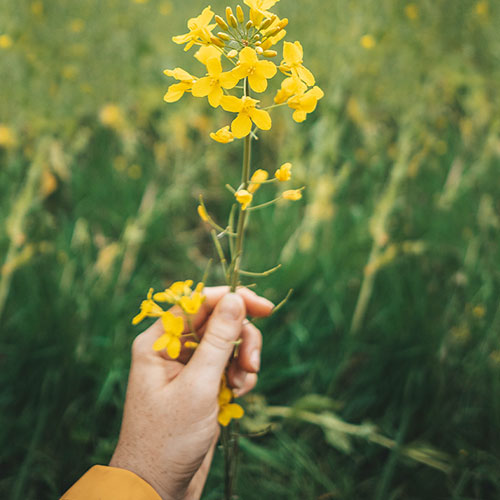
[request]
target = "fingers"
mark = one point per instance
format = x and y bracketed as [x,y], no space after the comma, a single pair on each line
[223,328]
[241,374]
[256,305]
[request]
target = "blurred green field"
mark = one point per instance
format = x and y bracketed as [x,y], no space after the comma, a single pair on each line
[381,376]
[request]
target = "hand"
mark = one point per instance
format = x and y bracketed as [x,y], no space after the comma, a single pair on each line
[169,429]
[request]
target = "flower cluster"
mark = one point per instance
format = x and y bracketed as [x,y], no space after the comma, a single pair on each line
[179,293]
[246,44]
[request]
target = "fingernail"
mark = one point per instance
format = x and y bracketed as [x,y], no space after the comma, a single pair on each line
[266,302]
[231,306]
[255,359]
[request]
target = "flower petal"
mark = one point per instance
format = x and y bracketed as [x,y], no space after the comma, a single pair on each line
[174,347]
[202,87]
[241,126]
[261,118]
[161,342]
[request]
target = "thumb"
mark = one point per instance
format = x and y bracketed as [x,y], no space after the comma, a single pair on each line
[223,328]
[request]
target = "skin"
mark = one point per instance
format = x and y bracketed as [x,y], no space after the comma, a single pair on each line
[169,428]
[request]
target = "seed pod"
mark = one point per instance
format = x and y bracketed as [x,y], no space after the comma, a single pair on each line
[221,23]
[259,50]
[223,36]
[249,25]
[232,54]
[217,41]
[269,53]
[239,14]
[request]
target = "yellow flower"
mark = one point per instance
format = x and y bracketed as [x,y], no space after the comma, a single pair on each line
[177,90]
[292,63]
[111,116]
[173,327]
[292,194]
[306,103]
[411,11]
[5,41]
[257,177]
[148,309]
[213,84]
[227,410]
[258,72]
[284,173]
[244,198]
[367,42]
[206,52]
[202,213]
[223,135]
[289,87]
[175,292]
[482,8]
[7,137]
[192,304]
[247,112]
[199,30]
[258,9]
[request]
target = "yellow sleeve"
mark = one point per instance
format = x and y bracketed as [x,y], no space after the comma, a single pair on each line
[110,483]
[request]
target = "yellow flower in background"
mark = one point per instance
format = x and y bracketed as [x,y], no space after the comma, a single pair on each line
[257,177]
[247,113]
[305,103]
[77,25]
[258,72]
[213,84]
[192,304]
[177,90]
[411,11]
[482,8]
[292,63]
[37,8]
[148,309]
[289,87]
[7,137]
[223,135]
[244,198]
[367,42]
[227,410]
[292,194]
[111,116]
[5,41]
[284,173]
[200,30]
[173,326]
[206,52]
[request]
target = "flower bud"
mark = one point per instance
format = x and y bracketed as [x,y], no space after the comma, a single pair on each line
[283,23]
[223,36]
[259,50]
[249,25]
[232,54]
[217,41]
[269,53]
[221,23]
[231,20]
[239,14]
[267,22]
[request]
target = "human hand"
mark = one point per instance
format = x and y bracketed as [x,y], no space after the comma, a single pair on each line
[169,428]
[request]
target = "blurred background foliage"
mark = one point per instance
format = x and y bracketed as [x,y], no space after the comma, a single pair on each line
[381,376]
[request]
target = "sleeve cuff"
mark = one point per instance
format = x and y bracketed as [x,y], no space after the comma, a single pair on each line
[110,483]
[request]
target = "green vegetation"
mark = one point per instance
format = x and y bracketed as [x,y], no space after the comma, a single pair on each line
[381,376]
